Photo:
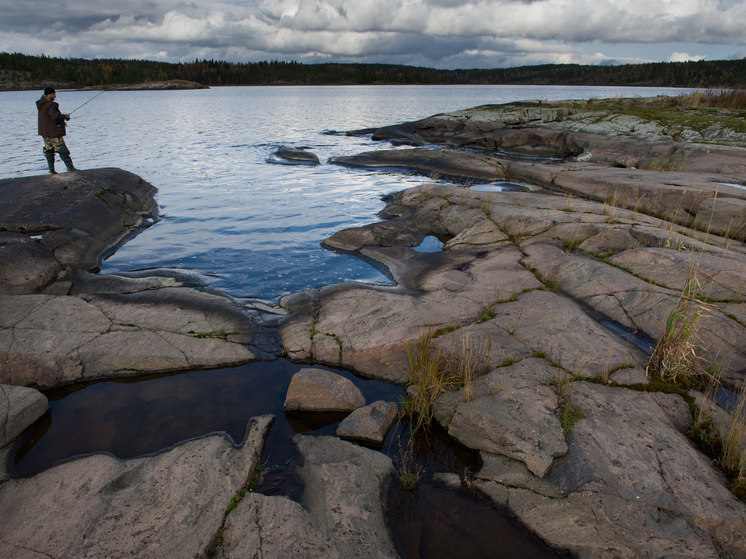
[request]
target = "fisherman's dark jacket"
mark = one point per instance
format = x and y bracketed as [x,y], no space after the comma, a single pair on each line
[51,121]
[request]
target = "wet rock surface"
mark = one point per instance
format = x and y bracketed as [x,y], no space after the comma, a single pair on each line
[300,155]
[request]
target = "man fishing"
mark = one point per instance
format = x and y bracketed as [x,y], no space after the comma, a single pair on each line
[52,128]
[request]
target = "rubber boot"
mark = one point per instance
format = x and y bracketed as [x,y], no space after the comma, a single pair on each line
[49,154]
[65,156]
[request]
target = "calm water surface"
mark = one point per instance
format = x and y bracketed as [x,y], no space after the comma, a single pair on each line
[249,227]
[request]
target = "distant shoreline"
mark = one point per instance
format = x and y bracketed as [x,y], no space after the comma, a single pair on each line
[20,72]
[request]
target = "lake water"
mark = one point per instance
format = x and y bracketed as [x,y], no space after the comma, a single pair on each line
[249,227]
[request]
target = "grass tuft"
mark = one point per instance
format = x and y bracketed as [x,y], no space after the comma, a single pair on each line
[675,357]
[408,471]
[569,415]
[734,441]
[434,371]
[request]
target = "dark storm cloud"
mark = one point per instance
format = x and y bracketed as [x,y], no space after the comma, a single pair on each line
[442,33]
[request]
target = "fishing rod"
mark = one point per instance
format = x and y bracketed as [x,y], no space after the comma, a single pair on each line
[89,100]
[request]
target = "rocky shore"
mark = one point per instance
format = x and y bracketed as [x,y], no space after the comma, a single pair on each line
[558,288]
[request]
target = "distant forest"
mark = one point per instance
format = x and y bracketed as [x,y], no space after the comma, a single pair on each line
[19,71]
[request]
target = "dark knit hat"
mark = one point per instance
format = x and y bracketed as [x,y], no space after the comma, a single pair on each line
[48,90]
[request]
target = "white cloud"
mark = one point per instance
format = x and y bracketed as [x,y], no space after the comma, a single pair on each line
[684,57]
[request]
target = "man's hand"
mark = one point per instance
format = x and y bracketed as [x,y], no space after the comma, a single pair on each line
[66,117]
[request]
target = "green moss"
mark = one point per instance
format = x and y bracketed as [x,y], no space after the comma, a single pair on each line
[339,343]
[488,314]
[739,489]
[569,415]
[672,118]
[445,330]
[222,335]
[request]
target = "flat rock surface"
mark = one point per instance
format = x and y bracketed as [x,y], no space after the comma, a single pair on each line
[339,516]
[55,340]
[540,292]
[630,485]
[167,505]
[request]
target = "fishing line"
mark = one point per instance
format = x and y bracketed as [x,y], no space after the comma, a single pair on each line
[89,100]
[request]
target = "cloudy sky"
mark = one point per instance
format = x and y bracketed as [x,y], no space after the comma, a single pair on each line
[433,33]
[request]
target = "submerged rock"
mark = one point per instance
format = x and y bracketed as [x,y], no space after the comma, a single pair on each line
[297,154]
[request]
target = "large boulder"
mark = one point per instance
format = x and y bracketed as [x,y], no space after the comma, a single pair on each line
[322,390]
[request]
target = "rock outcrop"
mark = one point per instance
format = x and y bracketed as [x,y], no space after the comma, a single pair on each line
[542,292]
[597,154]
[20,407]
[168,505]
[339,516]
[60,324]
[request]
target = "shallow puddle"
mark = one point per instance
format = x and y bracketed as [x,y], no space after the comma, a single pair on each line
[429,244]
[499,186]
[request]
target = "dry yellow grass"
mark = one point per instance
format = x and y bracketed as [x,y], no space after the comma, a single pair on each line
[434,371]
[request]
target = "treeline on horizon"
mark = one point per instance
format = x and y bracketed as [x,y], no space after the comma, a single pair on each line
[77,73]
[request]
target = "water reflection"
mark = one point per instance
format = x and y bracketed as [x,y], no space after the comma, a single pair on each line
[133,417]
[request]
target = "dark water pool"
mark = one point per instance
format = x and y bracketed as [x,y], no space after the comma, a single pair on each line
[438,523]
[132,417]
